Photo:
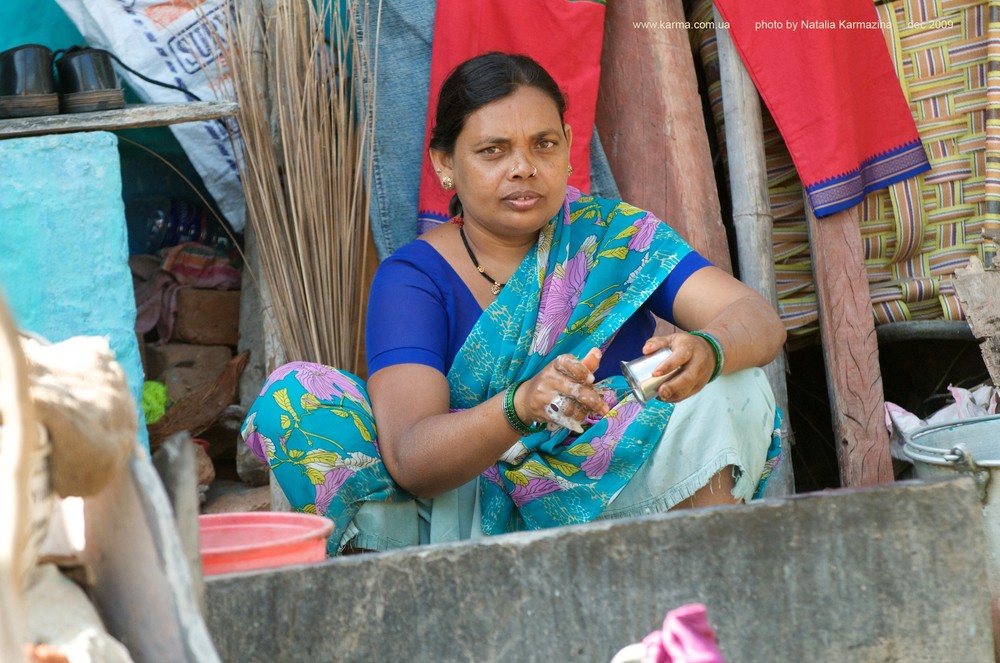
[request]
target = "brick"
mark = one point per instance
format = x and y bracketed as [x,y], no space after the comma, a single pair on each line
[159,358]
[184,367]
[223,435]
[249,467]
[207,317]
[205,469]
[228,496]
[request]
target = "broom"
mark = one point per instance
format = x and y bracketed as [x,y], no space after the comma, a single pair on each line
[302,170]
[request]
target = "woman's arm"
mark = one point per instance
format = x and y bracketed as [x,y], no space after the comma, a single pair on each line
[426,449]
[713,301]
[429,450]
[746,325]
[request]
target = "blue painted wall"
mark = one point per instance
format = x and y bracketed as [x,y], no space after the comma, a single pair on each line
[63,245]
[44,22]
[36,22]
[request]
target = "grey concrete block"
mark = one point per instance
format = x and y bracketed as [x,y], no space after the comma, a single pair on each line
[885,574]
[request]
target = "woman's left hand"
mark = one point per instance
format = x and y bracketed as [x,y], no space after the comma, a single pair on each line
[691,354]
[745,325]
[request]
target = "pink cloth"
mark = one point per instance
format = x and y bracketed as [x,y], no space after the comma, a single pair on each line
[686,637]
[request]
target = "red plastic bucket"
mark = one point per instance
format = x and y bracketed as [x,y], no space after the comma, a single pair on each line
[260,539]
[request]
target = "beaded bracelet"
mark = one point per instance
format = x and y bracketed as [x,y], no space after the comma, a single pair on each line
[720,354]
[510,414]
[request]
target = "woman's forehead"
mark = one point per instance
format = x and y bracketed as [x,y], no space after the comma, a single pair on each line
[527,111]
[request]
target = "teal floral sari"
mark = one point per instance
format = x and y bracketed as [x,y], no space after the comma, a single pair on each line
[594,265]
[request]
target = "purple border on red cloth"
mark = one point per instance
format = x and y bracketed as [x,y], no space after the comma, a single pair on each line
[836,194]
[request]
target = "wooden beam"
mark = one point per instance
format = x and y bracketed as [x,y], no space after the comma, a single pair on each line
[977,290]
[850,348]
[130,117]
[651,123]
[142,585]
[752,218]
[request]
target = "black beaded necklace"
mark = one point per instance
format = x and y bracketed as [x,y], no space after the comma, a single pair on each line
[496,284]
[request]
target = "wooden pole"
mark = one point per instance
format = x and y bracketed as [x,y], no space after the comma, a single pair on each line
[850,348]
[752,217]
[650,120]
[258,328]
[23,467]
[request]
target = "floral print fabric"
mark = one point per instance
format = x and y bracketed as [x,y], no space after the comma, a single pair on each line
[314,426]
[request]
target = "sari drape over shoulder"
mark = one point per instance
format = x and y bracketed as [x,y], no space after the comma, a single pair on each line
[594,265]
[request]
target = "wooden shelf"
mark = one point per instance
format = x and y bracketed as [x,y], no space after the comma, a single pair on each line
[130,117]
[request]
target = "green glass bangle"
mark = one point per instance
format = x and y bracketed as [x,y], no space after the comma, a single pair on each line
[720,354]
[510,414]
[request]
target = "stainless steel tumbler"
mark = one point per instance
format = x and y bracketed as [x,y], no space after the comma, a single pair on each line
[639,374]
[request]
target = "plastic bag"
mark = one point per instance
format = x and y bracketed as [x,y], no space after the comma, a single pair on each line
[980,401]
[174,42]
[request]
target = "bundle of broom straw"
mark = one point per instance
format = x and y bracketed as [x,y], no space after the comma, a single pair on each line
[290,63]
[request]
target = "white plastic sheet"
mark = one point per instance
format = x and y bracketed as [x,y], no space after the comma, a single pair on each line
[173,42]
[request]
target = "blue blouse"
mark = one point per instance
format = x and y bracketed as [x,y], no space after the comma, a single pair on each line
[420,312]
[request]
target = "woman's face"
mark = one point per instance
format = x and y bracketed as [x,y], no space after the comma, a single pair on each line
[496,154]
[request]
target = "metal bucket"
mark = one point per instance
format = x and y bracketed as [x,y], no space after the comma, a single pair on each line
[967,446]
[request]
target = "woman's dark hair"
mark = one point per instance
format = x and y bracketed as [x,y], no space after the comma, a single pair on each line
[480,81]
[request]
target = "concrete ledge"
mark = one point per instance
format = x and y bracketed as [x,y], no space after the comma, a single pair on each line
[884,574]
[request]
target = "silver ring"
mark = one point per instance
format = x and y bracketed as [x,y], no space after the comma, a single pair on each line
[557,404]
[555,410]
[533,172]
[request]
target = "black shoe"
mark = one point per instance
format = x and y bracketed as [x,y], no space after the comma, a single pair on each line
[87,81]
[27,86]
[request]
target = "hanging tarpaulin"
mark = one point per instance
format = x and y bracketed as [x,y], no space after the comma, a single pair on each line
[825,73]
[564,36]
[175,43]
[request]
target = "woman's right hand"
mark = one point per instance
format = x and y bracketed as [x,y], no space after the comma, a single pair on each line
[563,376]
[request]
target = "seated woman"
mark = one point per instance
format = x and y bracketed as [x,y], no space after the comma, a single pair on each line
[516,314]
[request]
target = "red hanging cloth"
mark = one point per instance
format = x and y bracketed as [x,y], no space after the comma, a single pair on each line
[564,36]
[823,70]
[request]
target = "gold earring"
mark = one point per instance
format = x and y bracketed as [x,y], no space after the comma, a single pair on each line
[447,183]
[569,169]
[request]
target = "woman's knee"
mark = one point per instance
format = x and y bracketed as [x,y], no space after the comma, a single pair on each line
[750,382]
[308,398]
[717,492]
